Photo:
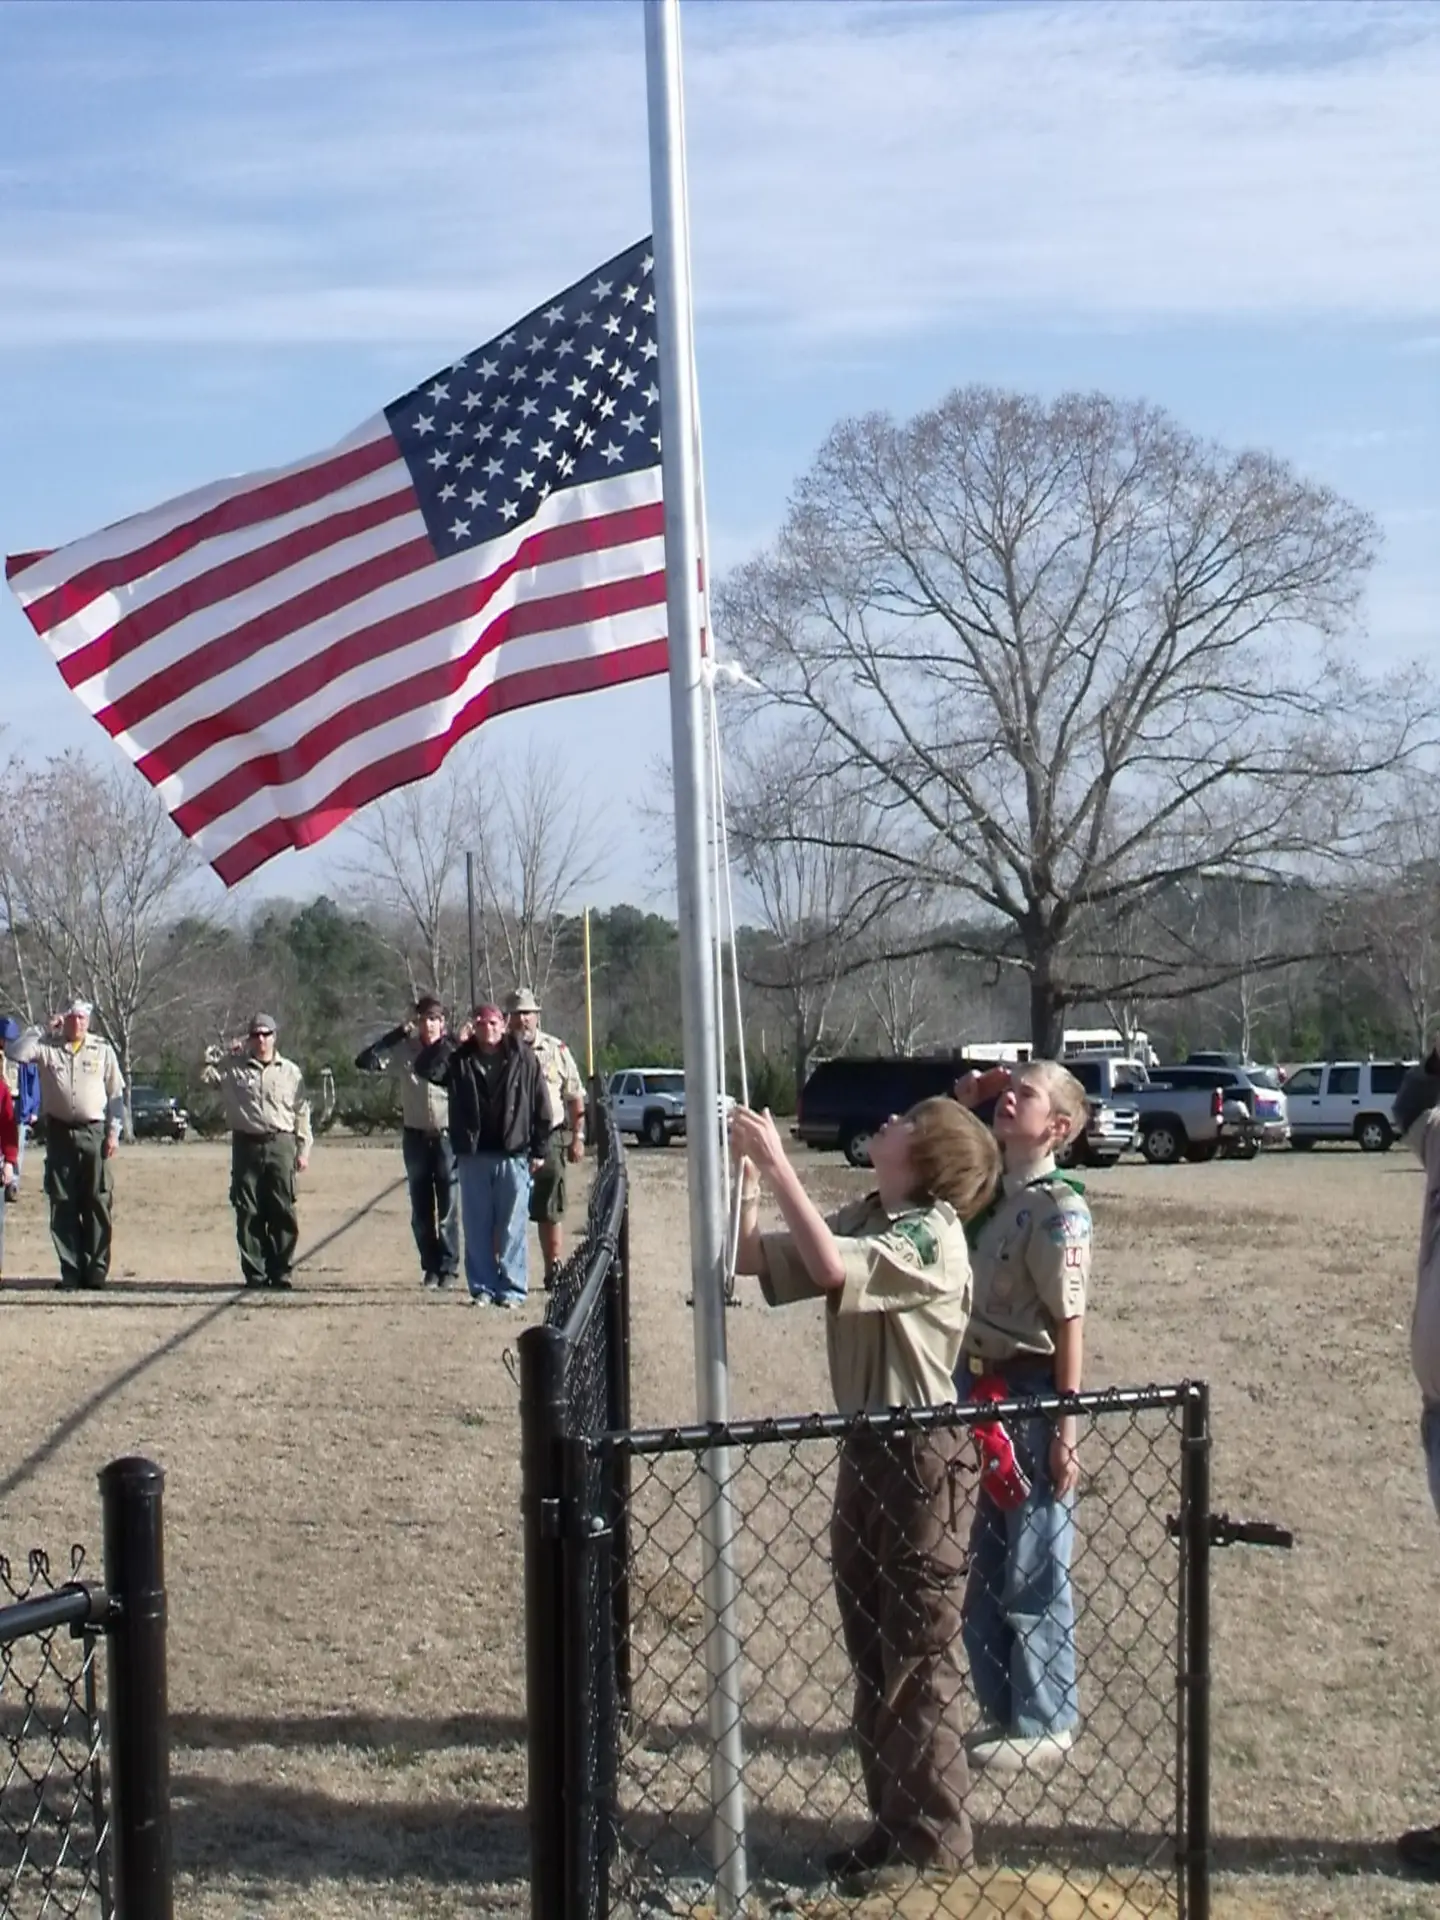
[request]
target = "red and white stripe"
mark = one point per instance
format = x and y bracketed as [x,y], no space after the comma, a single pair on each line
[276,650]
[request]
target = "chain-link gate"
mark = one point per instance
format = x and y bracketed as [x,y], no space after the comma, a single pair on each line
[53,1827]
[63,1850]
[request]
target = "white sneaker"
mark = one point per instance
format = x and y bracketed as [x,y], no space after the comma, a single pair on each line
[1021,1753]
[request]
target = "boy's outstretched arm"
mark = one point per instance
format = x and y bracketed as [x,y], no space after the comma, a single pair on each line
[755,1137]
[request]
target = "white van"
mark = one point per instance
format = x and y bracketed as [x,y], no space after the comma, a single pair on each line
[1344,1100]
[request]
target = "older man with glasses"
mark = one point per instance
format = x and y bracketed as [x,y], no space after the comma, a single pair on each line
[268,1113]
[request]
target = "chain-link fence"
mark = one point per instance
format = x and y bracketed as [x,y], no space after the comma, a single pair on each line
[886,1609]
[53,1828]
[63,1850]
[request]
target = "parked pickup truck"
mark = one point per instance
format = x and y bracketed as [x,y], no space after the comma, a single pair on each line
[1195,1113]
[650,1103]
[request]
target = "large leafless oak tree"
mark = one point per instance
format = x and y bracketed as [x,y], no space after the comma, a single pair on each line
[1073,656]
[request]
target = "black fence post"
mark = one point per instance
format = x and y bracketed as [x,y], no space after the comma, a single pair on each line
[542,1493]
[1195,1507]
[130,1496]
[617,1307]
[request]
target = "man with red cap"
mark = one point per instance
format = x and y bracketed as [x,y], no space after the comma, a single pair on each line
[499,1127]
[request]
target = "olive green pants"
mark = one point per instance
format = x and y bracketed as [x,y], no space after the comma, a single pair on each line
[262,1192]
[80,1186]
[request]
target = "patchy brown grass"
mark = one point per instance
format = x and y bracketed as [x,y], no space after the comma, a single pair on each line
[342,1512]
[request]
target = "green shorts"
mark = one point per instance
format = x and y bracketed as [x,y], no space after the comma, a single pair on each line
[547,1191]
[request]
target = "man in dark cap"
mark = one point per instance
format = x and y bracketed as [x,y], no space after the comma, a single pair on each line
[268,1112]
[425,1143]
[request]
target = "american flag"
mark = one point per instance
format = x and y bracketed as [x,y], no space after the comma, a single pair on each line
[276,650]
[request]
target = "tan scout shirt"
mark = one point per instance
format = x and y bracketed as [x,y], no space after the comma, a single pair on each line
[1032,1267]
[262,1099]
[562,1076]
[422,1106]
[893,1331]
[78,1084]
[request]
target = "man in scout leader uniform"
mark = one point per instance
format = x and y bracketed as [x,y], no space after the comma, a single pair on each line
[894,1272]
[82,1103]
[426,1146]
[567,1096]
[268,1113]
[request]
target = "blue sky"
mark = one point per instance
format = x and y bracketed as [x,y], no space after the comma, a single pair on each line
[228,233]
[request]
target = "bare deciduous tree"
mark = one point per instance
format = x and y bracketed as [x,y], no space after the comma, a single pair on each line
[1398,913]
[97,882]
[536,850]
[1074,656]
[414,844]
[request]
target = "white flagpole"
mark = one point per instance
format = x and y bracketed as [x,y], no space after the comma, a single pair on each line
[697,979]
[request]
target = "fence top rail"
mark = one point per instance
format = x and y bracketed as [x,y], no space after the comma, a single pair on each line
[895,1420]
[72,1605]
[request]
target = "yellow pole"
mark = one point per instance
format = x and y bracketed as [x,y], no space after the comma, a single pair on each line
[589,1008]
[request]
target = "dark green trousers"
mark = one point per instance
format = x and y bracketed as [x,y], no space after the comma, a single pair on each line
[80,1185]
[262,1192]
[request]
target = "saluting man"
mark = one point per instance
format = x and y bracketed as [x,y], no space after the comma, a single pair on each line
[82,1103]
[268,1112]
[567,1096]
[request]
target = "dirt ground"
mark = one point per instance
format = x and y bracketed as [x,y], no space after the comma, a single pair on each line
[342,1539]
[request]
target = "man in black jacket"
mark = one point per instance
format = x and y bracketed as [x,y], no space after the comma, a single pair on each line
[499,1127]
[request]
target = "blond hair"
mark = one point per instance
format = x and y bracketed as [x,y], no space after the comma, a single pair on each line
[954,1157]
[1066,1095]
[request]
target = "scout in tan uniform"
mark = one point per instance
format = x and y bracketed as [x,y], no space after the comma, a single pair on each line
[567,1097]
[894,1270]
[1031,1255]
[82,1103]
[424,1142]
[268,1113]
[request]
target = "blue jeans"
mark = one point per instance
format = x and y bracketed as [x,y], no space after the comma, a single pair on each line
[434,1212]
[494,1211]
[1018,1616]
[1430,1439]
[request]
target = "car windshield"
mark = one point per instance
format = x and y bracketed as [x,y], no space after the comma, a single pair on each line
[1265,1077]
[665,1083]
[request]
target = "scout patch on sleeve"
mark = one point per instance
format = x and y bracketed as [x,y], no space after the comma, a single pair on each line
[1065,1228]
[916,1234]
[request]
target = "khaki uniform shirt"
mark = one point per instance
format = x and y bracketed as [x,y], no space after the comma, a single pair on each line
[422,1106]
[894,1330]
[562,1076]
[262,1099]
[78,1084]
[1423,1139]
[1032,1267]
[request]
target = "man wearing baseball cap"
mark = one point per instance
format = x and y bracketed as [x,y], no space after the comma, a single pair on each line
[82,1103]
[268,1113]
[567,1097]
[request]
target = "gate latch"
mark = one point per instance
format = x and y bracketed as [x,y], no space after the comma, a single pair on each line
[1225,1532]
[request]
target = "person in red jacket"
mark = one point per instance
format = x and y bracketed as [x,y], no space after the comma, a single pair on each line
[9,1160]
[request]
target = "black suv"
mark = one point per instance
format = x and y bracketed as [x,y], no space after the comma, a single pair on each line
[156,1115]
[845,1101]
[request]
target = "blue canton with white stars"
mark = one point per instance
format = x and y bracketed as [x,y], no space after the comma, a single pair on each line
[569,394]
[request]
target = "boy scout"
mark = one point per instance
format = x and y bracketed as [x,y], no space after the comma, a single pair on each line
[567,1095]
[425,1144]
[82,1103]
[1031,1255]
[1417,1115]
[894,1270]
[268,1113]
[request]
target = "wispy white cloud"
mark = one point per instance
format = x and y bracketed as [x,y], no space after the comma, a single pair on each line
[413,174]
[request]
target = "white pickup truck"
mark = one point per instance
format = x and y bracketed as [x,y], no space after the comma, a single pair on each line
[650,1103]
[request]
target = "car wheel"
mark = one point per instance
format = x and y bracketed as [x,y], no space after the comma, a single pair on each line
[1162,1145]
[1201,1152]
[856,1145]
[1246,1150]
[1373,1133]
[1300,1146]
[654,1132]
